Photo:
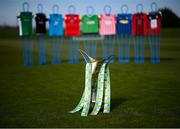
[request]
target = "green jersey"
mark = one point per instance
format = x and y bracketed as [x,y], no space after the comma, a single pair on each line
[90,24]
[25,23]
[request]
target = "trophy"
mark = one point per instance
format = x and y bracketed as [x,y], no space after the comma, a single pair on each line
[97,86]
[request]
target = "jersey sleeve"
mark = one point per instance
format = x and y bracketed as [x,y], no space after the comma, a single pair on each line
[80,19]
[160,14]
[36,18]
[19,16]
[66,18]
[32,16]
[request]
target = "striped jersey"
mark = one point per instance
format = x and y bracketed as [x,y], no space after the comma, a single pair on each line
[107,24]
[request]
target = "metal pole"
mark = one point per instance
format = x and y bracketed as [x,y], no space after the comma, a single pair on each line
[94,48]
[40,49]
[121,47]
[25,53]
[104,47]
[76,47]
[158,49]
[144,48]
[70,50]
[30,51]
[152,49]
[44,48]
[112,43]
[119,52]
[141,49]
[129,47]
[52,50]
[136,49]
[59,50]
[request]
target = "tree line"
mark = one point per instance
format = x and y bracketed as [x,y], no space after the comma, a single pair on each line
[169,18]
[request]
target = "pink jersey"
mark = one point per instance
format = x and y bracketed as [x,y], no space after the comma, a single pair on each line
[107,24]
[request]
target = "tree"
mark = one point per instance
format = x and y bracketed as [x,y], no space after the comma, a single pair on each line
[170,19]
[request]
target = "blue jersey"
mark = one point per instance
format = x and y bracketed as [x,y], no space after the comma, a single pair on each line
[124,24]
[56,25]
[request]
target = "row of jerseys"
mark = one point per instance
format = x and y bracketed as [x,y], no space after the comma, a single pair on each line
[136,24]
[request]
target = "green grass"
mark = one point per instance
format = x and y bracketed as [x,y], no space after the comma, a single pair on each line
[143,95]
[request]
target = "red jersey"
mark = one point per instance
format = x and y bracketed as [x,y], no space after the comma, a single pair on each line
[154,23]
[72,25]
[139,24]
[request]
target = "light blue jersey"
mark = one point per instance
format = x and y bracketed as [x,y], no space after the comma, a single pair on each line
[56,25]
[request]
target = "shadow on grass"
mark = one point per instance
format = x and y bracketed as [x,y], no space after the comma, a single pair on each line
[115,102]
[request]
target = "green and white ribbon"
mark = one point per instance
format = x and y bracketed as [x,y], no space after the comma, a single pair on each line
[86,97]
[107,96]
[102,94]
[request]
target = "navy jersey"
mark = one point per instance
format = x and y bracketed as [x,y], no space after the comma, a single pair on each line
[124,23]
[56,25]
[40,23]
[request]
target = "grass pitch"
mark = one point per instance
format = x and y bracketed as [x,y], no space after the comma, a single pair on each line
[143,95]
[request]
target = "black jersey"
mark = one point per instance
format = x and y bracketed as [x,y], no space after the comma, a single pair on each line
[40,23]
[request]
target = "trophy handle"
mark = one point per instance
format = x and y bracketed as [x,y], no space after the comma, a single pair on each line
[86,57]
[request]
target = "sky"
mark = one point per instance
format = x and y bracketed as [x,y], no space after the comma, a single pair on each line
[9,9]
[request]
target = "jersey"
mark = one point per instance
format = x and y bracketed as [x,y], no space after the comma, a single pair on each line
[55,25]
[40,23]
[124,24]
[154,23]
[107,24]
[72,25]
[25,23]
[90,24]
[139,24]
